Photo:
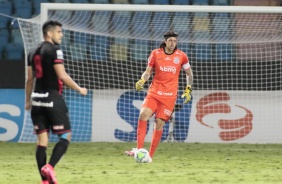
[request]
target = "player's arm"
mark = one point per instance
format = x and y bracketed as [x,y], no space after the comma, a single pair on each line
[189,81]
[145,77]
[28,88]
[67,80]
[189,76]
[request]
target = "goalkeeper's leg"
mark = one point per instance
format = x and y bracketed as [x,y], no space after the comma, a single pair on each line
[141,133]
[145,114]
[157,135]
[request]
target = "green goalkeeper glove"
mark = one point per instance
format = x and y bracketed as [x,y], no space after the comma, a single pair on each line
[187,94]
[139,84]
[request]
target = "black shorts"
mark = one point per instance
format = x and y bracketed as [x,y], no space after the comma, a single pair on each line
[49,111]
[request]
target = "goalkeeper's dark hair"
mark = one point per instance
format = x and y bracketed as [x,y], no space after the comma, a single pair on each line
[49,25]
[167,35]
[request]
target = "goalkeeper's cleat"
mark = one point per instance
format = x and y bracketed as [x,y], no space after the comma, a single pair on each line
[150,160]
[131,153]
[49,173]
[44,182]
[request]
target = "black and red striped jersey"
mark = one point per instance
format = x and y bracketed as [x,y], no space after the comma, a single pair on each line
[42,60]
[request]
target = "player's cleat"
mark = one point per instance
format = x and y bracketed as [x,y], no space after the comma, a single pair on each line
[49,173]
[45,182]
[150,160]
[131,153]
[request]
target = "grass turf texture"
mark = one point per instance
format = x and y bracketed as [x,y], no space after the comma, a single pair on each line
[179,163]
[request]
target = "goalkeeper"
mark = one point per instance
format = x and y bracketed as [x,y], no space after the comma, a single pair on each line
[166,62]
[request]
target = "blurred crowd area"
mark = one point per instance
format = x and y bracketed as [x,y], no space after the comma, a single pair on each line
[11,42]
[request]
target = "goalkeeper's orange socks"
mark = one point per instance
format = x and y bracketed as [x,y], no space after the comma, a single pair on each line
[157,135]
[141,133]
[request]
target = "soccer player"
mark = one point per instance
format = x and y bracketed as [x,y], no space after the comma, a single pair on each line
[48,108]
[166,62]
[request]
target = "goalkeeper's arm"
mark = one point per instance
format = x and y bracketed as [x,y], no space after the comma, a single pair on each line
[188,90]
[145,76]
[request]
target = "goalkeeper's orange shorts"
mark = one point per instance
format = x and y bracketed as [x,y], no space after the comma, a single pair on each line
[162,107]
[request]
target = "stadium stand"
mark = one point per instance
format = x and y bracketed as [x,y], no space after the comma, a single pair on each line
[36,6]
[157,27]
[200,2]
[120,1]
[139,50]
[165,2]
[140,1]
[23,9]
[16,37]
[98,53]
[14,51]
[220,2]
[10,35]
[100,1]
[5,8]
[180,2]
[62,1]
[80,1]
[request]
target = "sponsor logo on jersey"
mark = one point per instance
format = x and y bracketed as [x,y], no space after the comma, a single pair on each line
[176,60]
[171,69]
[60,54]
[165,93]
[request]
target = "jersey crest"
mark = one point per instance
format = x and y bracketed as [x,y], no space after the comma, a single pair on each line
[176,60]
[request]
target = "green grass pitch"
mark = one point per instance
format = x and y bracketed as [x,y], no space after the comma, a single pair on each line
[179,163]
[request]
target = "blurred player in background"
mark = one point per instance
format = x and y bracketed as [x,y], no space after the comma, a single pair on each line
[48,108]
[166,62]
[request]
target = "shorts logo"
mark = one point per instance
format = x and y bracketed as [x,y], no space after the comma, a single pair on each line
[167,112]
[58,127]
[171,69]
[60,54]
[176,60]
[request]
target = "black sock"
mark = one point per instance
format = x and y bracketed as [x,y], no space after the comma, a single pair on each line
[58,151]
[41,158]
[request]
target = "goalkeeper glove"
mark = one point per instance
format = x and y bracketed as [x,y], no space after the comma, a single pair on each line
[187,94]
[139,84]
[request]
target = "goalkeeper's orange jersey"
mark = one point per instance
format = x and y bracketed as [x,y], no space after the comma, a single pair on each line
[167,68]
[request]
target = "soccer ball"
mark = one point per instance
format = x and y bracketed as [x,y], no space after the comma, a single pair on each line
[141,156]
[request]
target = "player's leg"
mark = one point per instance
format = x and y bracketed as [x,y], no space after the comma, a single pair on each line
[163,114]
[145,114]
[41,156]
[147,110]
[42,130]
[149,106]
[60,125]
[157,135]
[58,152]
[60,148]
